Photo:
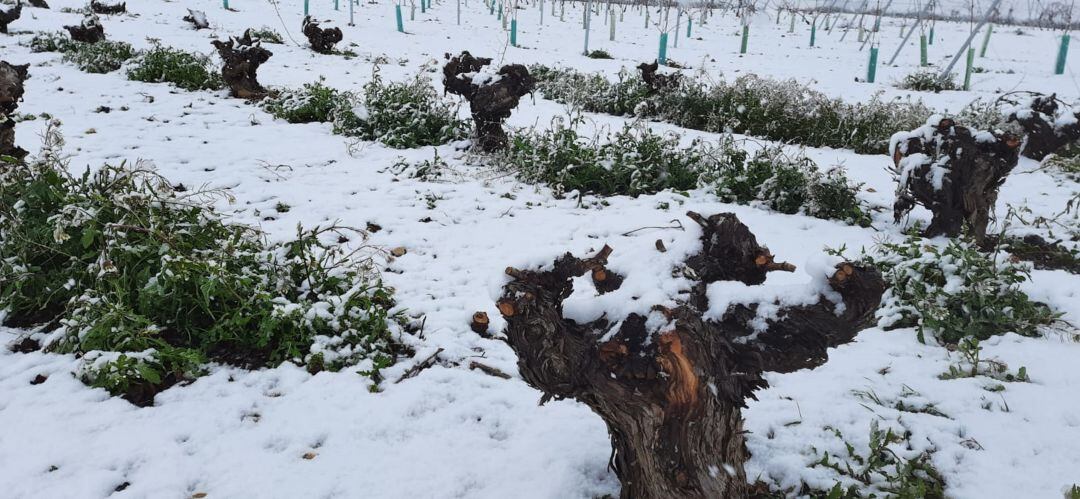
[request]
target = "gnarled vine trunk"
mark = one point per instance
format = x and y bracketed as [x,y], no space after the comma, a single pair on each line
[242,58]
[89,31]
[12,78]
[656,81]
[198,19]
[1046,127]
[671,385]
[9,16]
[107,9]
[955,173]
[490,99]
[322,40]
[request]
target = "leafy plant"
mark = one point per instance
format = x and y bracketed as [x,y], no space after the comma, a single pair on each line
[955,291]
[402,115]
[189,71]
[882,470]
[632,161]
[53,41]
[314,102]
[792,184]
[148,281]
[599,54]
[267,34]
[102,57]
[635,161]
[781,110]
[926,80]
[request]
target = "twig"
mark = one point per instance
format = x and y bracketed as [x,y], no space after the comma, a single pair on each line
[677,225]
[489,370]
[419,366]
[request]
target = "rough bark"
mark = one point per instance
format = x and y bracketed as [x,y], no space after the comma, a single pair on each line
[955,173]
[491,100]
[89,31]
[671,396]
[1046,126]
[12,78]
[242,58]
[321,40]
[198,19]
[657,82]
[9,16]
[107,9]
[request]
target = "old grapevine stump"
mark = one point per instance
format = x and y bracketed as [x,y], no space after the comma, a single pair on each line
[198,19]
[671,385]
[107,9]
[1047,127]
[8,16]
[491,97]
[11,92]
[321,40]
[656,81]
[89,31]
[954,172]
[242,57]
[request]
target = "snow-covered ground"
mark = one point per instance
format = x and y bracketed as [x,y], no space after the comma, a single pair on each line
[455,432]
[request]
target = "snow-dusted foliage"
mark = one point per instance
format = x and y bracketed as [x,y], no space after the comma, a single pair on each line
[631,161]
[312,103]
[187,70]
[782,110]
[635,161]
[927,80]
[120,260]
[102,57]
[401,115]
[954,291]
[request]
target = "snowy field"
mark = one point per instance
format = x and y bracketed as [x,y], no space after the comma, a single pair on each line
[455,432]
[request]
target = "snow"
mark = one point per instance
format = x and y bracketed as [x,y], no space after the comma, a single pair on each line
[455,432]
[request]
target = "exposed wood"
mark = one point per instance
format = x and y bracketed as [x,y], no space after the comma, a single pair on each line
[490,101]
[955,173]
[321,40]
[242,57]
[671,396]
[480,323]
[12,78]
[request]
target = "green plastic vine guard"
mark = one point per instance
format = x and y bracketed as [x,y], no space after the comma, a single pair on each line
[662,59]
[1063,54]
[986,40]
[922,51]
[871,69]
[967,68]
